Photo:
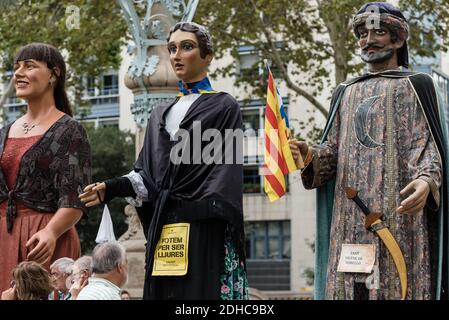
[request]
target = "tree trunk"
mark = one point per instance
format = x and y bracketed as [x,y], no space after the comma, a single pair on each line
[279,63]
[337,27]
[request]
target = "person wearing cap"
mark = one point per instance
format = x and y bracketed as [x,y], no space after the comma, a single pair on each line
[386,138]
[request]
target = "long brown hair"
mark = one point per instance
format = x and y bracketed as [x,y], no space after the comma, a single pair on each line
[32,281]
[47,53]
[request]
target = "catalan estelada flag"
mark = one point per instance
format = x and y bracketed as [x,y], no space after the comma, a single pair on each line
[278,157]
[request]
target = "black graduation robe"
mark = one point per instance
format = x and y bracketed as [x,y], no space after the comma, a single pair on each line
[208,196]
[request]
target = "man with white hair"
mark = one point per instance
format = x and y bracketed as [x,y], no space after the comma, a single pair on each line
[61,270]
[110,273]
[82,270]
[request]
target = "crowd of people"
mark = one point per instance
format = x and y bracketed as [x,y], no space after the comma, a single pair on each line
[99,276]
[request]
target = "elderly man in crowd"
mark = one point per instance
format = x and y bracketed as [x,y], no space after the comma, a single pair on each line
[82,270]
[110,273]
[61,270]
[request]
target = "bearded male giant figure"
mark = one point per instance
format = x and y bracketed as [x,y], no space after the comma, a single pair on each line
[386,138]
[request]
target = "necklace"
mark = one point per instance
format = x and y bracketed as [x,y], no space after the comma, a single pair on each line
[28,127]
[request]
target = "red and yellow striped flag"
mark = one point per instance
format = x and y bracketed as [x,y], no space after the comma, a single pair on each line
[278,157]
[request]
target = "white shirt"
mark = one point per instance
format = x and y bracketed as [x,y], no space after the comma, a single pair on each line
[177,112]
[174,117]
[99,289]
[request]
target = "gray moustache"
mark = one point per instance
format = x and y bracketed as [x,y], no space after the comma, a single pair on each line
[376,46]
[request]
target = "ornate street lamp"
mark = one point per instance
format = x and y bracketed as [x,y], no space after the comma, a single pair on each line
[150,76]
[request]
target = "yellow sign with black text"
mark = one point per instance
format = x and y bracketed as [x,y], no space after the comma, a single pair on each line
[171,256]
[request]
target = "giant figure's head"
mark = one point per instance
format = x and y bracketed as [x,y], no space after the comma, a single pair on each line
[40,68]
[382,31]
[191,52]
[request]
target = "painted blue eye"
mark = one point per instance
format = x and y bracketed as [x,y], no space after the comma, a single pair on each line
[187,46]
[172,49]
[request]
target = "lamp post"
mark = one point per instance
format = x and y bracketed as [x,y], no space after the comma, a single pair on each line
[150,76]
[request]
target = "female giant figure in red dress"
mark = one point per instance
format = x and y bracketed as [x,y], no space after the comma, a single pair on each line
[45,162]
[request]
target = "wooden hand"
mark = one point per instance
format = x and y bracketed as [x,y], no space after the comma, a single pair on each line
[93,194]
[416,201]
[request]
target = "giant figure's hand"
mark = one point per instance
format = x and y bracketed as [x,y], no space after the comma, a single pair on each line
[416,201]
[45,243]
[297,148]
[93,194]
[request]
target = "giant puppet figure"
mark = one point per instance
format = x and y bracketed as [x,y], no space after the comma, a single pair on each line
[381,174]
[191,210]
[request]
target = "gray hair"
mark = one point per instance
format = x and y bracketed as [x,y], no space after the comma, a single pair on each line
[64,265]
[85,263]
[108,255]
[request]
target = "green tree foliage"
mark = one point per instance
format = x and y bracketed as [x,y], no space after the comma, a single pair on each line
[112,156]
[90,44]
[316,38]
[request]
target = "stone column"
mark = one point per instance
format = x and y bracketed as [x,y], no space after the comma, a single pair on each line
[134,242]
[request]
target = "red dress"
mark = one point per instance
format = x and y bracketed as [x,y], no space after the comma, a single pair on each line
[27,221]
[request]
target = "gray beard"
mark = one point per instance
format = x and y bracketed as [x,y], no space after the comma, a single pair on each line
[377,57]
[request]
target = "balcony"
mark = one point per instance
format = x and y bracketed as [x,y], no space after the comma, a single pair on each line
[268,275]
[104,103]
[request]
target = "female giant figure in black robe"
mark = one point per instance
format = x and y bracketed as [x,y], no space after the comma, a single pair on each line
[192,175]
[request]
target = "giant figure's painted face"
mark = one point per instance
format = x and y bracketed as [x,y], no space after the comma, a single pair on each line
[185,57]
[381,29]
[376,45]
[31,78]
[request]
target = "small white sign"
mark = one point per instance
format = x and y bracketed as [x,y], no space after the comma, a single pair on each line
[357,258]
